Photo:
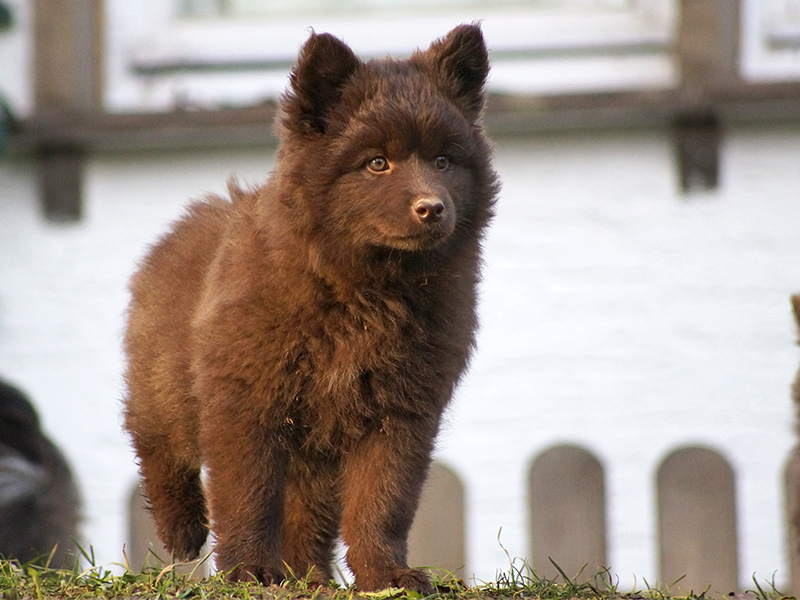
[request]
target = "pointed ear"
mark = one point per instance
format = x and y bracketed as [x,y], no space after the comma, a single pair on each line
[323,68]
[461,62]
[796,308]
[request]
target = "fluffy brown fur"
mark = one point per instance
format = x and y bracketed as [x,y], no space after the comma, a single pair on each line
[301,340]
[793,477]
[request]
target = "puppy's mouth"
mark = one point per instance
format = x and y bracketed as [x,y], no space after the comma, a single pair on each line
[425,228]
[418,241]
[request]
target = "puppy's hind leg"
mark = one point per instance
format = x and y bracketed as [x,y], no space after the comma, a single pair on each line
[175,495]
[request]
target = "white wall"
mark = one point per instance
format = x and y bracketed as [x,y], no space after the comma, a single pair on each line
[631,320]
[616,314]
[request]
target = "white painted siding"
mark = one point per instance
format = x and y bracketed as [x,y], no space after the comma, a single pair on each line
[615,314]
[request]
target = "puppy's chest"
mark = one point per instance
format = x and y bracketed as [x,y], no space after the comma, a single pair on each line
[356,373]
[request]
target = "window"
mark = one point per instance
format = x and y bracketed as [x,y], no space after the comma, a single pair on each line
[770,40]
[216,53]
[274,8]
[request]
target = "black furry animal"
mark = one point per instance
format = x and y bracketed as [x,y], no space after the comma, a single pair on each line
[39,501]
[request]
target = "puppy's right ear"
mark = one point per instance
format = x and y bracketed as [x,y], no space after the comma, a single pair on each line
[323,67]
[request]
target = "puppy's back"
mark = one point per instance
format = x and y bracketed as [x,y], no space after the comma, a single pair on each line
[164,294]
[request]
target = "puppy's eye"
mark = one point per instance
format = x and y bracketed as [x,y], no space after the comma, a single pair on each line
[442,162]
[378,164]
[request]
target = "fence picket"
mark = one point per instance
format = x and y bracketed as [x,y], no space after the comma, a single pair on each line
[697,521]
[567,518]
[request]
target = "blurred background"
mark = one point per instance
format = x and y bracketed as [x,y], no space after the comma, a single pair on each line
[629,402]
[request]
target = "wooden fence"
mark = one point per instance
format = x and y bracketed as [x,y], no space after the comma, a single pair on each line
[696,514]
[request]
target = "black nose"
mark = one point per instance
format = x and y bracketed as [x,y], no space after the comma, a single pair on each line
[428,210]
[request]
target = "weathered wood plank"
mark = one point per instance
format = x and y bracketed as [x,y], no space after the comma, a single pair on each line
[567,513]
[697,522]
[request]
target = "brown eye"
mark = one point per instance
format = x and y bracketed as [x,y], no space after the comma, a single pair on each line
[378,164]
[442,162]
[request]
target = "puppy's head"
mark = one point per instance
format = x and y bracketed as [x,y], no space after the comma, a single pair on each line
[387,153]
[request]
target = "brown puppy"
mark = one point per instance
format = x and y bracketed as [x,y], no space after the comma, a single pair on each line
[301,340]
[793,477]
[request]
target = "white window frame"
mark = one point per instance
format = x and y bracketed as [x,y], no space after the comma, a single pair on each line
[770,40]
[16,64]
[158,61]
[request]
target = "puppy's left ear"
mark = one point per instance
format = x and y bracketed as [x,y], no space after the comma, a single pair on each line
[461,63]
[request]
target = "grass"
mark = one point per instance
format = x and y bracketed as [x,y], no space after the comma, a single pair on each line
[38,581]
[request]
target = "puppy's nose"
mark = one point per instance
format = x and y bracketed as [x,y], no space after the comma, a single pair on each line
[428,209]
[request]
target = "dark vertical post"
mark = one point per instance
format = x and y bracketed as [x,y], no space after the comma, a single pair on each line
[707,53]
[67,85]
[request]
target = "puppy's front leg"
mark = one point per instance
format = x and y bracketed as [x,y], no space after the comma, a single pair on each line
[382,481]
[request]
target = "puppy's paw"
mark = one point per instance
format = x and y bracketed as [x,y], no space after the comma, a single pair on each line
[261,574]
[185,543]
[413,579]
